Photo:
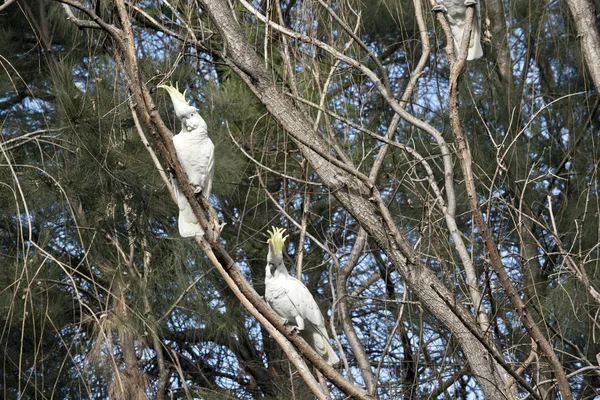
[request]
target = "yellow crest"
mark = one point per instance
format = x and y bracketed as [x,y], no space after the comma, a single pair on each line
[276,239]
[174,91]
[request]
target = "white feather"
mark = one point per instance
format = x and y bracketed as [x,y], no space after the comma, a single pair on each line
[289,298]
[187,223]
[196,154]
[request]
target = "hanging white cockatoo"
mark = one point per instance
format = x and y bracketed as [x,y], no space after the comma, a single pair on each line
[289,298]
[456,13]
[196,154]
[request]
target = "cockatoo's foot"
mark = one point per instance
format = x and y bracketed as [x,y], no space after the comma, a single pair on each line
[294,328]
[218,228]
[197,189]
[470,3]
[439,8]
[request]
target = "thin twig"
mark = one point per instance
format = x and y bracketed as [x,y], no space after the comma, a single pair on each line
[262,166]
[182,296]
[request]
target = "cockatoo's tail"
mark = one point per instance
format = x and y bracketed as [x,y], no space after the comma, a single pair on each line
[276,239]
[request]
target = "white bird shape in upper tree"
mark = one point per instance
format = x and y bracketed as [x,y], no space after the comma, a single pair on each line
[196,154]
[289,298]
[456,13]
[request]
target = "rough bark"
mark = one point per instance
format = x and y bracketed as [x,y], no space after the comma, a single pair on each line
[498,30]
[584,18]
[132,382]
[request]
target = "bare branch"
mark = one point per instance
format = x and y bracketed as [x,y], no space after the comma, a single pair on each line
[6,4]
[465,161]
[95,23]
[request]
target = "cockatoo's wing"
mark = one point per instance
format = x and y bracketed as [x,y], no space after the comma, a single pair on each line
[304,301]
[197,158]
[210,171]
[181,200]
[314,331]
[475,50]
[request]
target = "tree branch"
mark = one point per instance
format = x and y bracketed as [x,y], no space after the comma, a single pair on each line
[464,156]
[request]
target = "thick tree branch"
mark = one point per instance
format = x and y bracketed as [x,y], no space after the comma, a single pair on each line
[584,18]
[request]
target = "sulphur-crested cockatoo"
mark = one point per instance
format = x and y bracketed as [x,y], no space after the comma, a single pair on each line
[289,298]
[196,154]
[456,13]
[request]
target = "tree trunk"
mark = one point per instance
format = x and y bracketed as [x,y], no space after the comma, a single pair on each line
[584,17]
[134,383]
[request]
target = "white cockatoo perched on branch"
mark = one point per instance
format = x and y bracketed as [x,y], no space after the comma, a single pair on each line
[456,13]
[196,154]
[289,298]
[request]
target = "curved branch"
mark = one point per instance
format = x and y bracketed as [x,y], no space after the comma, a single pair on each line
[464,156]
[95,23]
